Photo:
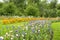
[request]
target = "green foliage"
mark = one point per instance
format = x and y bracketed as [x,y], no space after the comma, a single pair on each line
[20,4]
[58,13]
[58,6]
[53,4]
[30,8]
[9,9]
[32,11]
[42,6]
[53,13]
[1,9]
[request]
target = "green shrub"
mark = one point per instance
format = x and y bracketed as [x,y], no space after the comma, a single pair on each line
[32,11]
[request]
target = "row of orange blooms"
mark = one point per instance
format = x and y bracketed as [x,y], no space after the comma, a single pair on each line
[13,20]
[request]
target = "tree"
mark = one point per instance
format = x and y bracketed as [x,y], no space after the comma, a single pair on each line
[30,8]
[21,4]
[10,9]
[52,8]
[42,6]
[1,9]
[32,11]
[58,13]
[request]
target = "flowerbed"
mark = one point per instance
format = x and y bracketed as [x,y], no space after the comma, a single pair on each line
[34,30]
[13,20]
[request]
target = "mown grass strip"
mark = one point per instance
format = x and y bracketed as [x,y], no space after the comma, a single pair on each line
[56,30]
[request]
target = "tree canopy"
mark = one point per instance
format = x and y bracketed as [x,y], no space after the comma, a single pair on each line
[41,8]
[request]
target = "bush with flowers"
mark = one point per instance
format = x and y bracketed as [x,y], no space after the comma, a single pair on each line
[13,20]
[5,21]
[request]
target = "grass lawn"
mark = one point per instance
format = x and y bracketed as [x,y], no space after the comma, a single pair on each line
[56,29]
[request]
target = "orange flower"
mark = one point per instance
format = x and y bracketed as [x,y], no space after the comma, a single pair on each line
[5,21]
[12,20]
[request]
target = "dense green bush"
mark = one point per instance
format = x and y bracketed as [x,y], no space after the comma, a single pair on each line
[32,11]
[58,13]
[10,9]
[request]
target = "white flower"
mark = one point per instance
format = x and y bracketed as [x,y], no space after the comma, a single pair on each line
[17,35]
[26,27]
[23,39]
[22,35]
[1,38]
[11,38]
[6,33]
[26,33]
[38,30]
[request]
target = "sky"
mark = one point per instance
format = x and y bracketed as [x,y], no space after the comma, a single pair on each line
[58,1]
[2,1]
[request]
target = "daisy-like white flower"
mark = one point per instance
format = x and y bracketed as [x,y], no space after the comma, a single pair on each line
[38,30]
[1,38]
[17,35]
[26,33]
[6,33]
[11,38]
[23,39]
[26,27]
[22,35]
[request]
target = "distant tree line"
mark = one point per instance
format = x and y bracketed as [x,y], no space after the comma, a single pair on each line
[41,8]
